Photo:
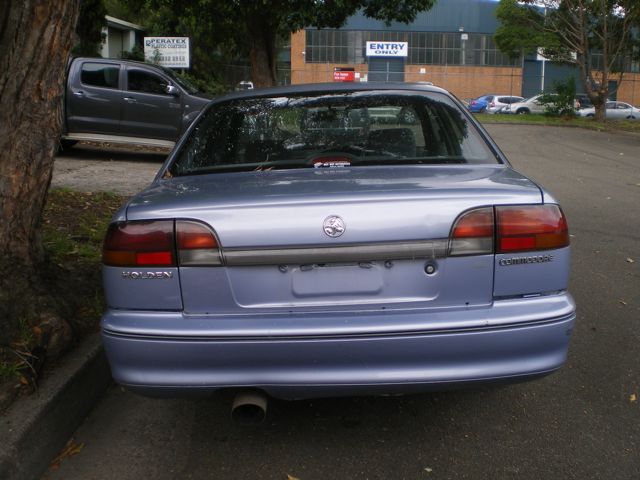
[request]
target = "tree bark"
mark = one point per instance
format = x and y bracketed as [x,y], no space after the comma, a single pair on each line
[35,41]
[263,51]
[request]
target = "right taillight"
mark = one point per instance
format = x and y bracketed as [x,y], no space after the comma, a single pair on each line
[530,227]
[517,228]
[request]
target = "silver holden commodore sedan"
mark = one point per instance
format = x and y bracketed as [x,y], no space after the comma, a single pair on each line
[298,243]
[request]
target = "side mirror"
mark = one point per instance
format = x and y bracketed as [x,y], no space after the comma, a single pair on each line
[172,90]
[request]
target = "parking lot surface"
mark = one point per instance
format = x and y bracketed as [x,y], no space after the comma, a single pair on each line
[90,167]
[582,422]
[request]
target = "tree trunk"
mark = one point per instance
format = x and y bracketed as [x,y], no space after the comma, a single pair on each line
[599,105]
[35,40]
[263,51]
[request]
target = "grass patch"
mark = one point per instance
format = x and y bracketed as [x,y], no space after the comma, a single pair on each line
[73,228]
[588,123]
[75,224]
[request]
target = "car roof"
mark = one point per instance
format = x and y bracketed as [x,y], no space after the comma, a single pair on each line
[115,60]
[337,87]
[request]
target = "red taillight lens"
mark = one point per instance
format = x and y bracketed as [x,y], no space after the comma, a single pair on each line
[139,243]
[530,227]
[473,232]
[517,229]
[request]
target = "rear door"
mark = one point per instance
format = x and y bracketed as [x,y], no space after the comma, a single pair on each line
[149,111]
[621,110]
[94,97]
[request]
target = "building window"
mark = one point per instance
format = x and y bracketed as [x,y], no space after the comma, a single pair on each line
[425,48]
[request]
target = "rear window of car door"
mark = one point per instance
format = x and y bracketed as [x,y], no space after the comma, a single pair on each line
[146,82]
[103,75]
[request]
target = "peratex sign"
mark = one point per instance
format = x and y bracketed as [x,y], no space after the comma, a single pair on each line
[172,52]
[387,49]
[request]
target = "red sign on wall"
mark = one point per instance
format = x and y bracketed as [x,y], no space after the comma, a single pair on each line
[344,75]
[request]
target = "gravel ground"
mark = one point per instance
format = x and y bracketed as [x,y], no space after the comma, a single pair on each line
[89,167]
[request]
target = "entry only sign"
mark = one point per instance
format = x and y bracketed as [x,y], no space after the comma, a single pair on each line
[387,49]
[172,52]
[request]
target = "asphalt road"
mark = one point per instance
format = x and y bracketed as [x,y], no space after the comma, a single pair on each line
[582,422]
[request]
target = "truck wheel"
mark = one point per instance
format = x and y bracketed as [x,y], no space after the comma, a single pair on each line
[66,144]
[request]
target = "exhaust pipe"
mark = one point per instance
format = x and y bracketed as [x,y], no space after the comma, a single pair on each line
[249,407]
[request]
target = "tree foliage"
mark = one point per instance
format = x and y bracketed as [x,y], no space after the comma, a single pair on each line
[562,101]
[89,35]
[574,32]
[220,29]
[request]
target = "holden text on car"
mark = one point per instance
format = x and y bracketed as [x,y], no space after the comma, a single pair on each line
[336,239]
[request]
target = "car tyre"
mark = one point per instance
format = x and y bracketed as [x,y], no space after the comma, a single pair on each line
[523,111]
[66,144]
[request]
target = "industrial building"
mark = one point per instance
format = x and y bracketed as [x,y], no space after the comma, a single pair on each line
[450,45]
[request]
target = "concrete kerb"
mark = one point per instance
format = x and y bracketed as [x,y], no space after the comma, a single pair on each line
[36,428]
[535,124]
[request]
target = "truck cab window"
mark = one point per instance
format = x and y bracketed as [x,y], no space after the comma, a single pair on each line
[139,81]
[100,75]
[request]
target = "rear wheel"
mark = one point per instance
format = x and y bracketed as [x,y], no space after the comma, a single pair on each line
[66,144]
[590,115]
[523,111]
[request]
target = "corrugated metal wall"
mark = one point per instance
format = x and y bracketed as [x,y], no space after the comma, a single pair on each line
[476,16]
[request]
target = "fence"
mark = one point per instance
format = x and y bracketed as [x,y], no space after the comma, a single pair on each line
[463,81]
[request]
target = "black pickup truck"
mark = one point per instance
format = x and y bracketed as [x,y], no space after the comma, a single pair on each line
[123,101]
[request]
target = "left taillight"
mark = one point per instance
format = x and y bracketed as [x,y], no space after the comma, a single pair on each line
[160,243]
[140,243]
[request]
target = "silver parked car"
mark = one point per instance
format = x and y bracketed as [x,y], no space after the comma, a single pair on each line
[492,103]
[614,111]
[293,245]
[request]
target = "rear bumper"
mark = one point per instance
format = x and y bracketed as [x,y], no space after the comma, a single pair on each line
[176,362]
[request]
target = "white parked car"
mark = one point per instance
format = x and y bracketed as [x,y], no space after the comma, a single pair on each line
[530,105]
[614,111]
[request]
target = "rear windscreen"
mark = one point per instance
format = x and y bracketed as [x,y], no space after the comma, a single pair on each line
[331,130]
